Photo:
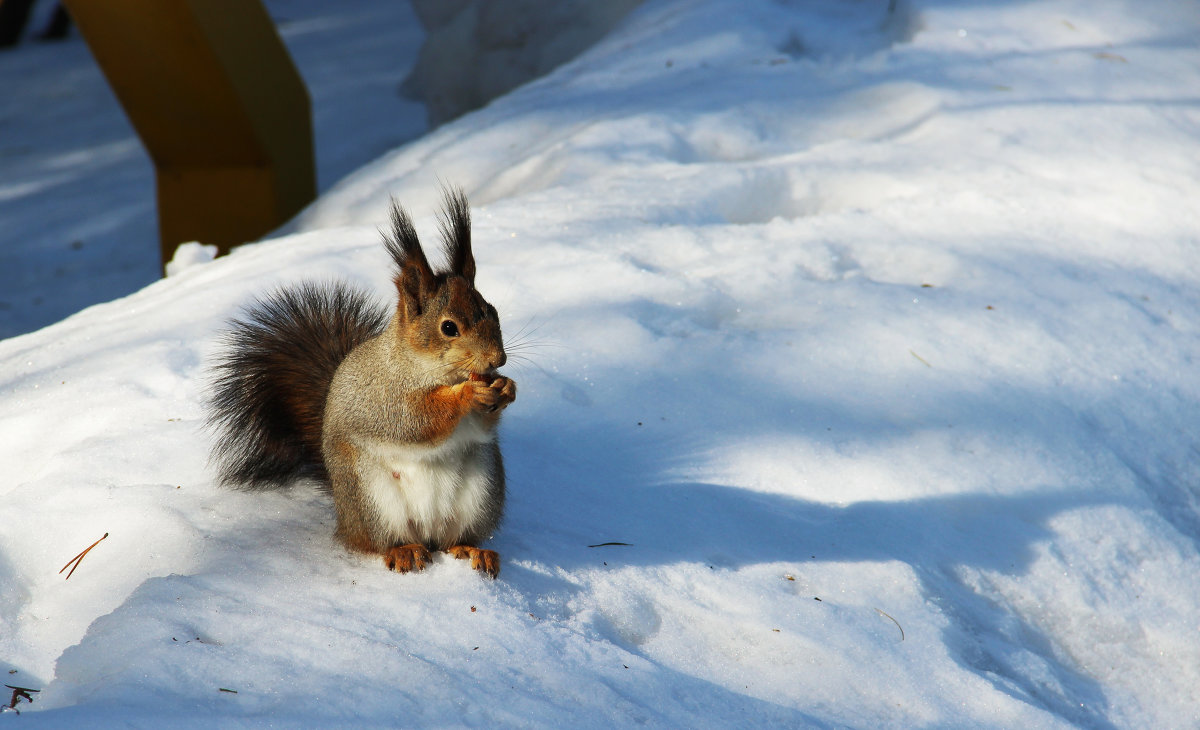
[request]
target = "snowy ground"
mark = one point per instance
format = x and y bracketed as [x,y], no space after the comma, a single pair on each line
[873,335]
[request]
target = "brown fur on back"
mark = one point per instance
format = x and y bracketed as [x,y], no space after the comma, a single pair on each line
[269,388]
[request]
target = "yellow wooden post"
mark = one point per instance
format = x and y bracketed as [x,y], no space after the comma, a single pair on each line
[214,96]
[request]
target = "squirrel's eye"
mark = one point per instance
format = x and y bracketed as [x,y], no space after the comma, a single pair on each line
[449,329]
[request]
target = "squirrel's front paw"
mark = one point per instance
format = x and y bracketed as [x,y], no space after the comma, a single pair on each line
[506,390]
[497,394]
[406,558]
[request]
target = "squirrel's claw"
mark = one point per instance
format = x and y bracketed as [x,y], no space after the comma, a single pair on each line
[485,561]
[406,558]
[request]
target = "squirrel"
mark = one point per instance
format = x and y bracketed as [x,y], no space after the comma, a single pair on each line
[395,414]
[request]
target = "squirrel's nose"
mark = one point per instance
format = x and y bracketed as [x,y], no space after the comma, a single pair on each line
[498,360]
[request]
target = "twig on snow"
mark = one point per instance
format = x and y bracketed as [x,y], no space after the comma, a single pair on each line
[78,559]
[19,693]
[881,613]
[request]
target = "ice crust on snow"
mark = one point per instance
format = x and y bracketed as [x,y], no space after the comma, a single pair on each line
[872,334]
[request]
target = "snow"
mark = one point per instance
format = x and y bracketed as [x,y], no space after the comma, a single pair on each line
[77,215]
[872,335]
[190,254]
[477,50]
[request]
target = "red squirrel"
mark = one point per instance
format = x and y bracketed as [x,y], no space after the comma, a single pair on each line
[394,414]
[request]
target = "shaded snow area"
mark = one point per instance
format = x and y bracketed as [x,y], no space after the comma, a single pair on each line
[873,335]
[77,210]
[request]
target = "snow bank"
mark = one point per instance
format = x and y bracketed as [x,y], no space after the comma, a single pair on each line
[872,334]
[477,50]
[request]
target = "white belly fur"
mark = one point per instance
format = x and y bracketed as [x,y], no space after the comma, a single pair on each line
[429,494]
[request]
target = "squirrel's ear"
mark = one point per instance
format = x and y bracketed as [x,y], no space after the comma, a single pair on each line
[414,278]
[455,222]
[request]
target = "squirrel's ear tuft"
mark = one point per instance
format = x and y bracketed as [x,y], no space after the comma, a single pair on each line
[455,222]
[414,278]
[402,242]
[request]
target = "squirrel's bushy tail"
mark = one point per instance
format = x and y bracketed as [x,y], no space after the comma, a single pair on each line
[270,384]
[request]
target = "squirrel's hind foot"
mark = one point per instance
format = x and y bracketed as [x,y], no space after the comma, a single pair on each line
[406,558]
[486,561]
